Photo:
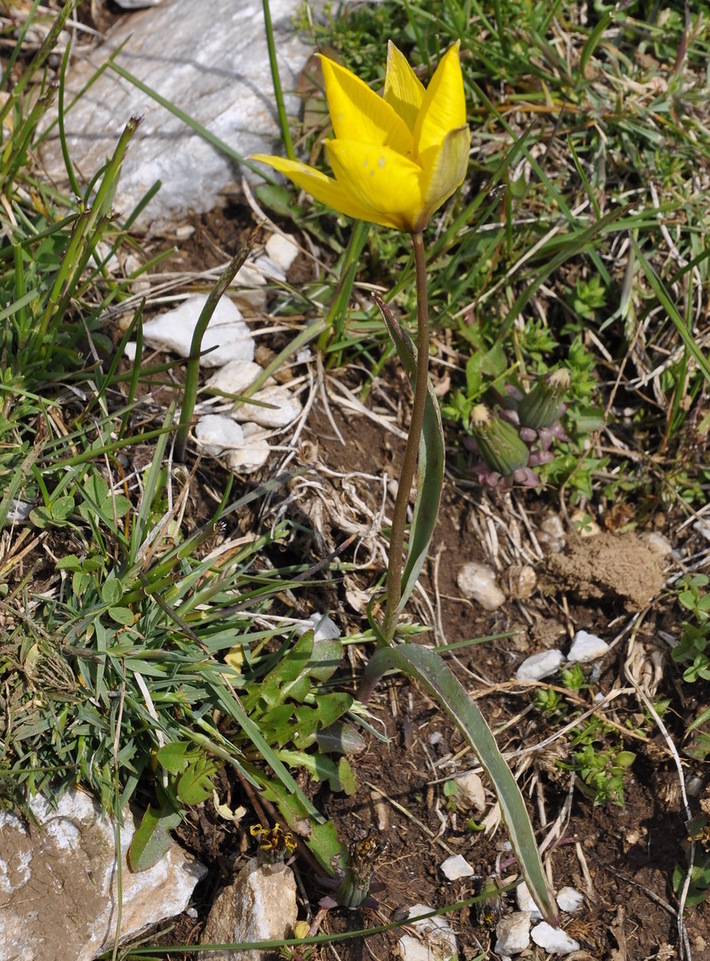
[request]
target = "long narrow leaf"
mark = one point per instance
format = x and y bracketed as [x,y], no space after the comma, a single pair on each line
[430,670]
[430,476]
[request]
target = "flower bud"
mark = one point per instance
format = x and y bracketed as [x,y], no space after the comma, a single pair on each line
[542,406]
[498,441]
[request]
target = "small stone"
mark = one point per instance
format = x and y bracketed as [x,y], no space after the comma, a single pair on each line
[253,454]
[226,338]
[478,582]
[585,525]
[554,940]
[658,543]
[435,939]
[522,581]
[540,665]
[525,901]
[284,407]
[281,250]
[248,289]
[569,899]
[235,377]
[470,793]
[551,533]
[259,906]
[513,933]
[218,433]
[456,867]
[586,648]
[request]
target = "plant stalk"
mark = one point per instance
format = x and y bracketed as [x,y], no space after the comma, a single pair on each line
[399,517]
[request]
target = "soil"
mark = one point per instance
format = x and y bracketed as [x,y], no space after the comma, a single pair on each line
[621,856]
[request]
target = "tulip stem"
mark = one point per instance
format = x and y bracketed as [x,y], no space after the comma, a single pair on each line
[399,517]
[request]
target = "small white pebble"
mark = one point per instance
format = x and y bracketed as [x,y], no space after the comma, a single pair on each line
[470,793]
[456,867]
[235,377]
[551,533]
[569,899]
[217,433]
[537,666]
[253,453]
[525,901]
[513,933]
[658,543]
[586,648]
[585,525]
[281,250]
[435,939]
[284,407]
[554,940]
[478,582]
[522,581]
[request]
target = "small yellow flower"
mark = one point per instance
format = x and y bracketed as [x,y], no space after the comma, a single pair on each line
[396,158]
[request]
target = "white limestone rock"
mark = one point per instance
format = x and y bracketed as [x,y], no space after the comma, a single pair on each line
[470,793]
[513,934]
[434,941]
[227,337]
[554,940]
[281,250]
[456,867]
[254,452]
[223,81]
[218,433]
[283,408]
[248,289]
[59,888]
[260,905]
[551,533]
[658,543]
[478,582]
[537,666]
[586,648]
[569,899]
[235,377]
[525,901]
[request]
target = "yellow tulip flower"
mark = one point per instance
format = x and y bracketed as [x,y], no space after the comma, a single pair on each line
[396,158]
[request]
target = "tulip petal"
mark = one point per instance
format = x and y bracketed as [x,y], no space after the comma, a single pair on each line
[445,168]
[358,113]
[381,178]
[444,105]
[403,89]
[324,189]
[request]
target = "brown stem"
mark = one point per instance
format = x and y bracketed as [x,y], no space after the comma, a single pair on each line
[399,517]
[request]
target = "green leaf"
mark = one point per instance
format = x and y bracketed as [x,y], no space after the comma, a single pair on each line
[430,476]
[111,590]
[430,670]
[122,615]
[174,757]
[196,783]
[152,840]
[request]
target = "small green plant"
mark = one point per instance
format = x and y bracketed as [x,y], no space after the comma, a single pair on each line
[601,762]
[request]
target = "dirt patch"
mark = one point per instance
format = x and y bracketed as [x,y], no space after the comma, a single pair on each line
[611,567]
